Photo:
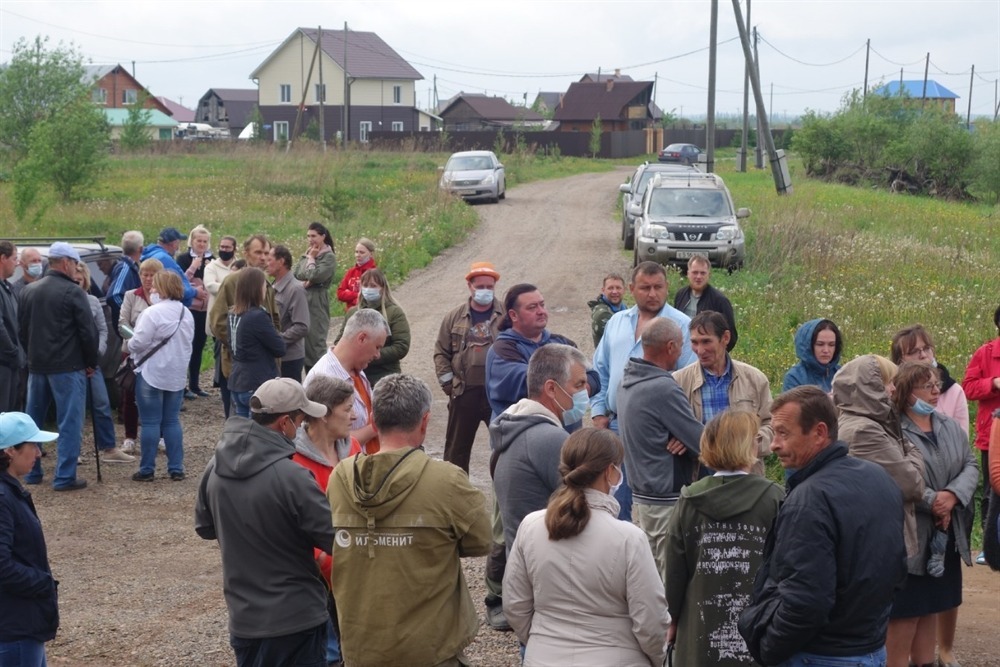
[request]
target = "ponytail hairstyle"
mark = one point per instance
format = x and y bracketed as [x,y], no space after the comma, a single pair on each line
[585,456]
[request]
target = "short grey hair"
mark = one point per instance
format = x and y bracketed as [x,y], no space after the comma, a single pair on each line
[329,391]
[365,320]
[659,332]
[399,402]
[552,362]
[132,242]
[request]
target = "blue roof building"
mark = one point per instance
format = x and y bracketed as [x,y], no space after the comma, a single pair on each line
[914,89]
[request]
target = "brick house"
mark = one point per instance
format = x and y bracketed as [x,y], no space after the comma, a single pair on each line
[112,87]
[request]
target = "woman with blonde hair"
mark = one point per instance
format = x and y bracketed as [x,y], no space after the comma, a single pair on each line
[163,335]
[581,587]
[707,587]
[193,262]
[375,294]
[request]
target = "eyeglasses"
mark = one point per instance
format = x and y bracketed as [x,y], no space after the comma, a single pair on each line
[921,352]
[930,386]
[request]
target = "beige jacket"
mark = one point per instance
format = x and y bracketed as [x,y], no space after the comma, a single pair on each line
[591,600]
[457,362]
[870,426]
[749,390]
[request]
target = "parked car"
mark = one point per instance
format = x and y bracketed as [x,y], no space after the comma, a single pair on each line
[475,175]
[683,153]
[100,258]
[633,190]
[681,215]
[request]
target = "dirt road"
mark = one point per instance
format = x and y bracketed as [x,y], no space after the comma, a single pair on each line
[138,587]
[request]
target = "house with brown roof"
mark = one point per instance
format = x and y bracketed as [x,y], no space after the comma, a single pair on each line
[621,105]
[475,111]
[178,111]
[227,108]
[353,79]
[601,77]
[113,87]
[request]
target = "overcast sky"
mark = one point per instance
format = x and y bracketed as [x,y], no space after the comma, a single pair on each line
[812,51]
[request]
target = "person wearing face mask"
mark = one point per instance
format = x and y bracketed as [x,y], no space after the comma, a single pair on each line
[32,268]
[933,590]
[364,260]
[375,294]
[818,345]
[464,339]
[581,586]
[527,437]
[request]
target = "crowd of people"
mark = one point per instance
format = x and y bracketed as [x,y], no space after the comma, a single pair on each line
[647,533]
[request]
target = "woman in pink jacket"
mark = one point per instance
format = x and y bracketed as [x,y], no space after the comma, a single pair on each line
[982,383]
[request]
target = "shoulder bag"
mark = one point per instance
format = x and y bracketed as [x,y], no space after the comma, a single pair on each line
[125,375]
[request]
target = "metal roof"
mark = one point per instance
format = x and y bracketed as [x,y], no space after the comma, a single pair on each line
[585,101]
[915,88]
[493,108]
[368,57]
[117,118]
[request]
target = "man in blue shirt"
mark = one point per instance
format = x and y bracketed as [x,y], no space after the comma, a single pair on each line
[164,250]
[125,274]
[622,341]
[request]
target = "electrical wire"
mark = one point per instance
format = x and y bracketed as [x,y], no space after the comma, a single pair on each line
[802,62]
[893,62]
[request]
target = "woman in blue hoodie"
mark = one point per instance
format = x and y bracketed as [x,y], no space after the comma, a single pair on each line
[818,344]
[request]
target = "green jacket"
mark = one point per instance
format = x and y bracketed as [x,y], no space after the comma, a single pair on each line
[396,345]
[403,522]
[715,545]
[319,273]
[600,312]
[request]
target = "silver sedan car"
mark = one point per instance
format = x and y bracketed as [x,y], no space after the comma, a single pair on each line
[474,175]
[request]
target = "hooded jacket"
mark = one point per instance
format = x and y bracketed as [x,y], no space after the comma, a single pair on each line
[403,521]
[983,367]
[832,563]
[601,311]
[715,540]
[652,408]
[870,426]
[526,441]
[156,251]
[809,371]
[268,514]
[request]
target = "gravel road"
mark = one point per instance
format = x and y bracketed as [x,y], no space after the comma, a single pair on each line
[138,587]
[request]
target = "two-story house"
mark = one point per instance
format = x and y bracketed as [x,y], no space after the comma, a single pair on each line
[379,93]
[113,87]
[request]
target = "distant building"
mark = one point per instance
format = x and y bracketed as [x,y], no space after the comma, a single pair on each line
[159,127]
[380,94]
[113,87]
[475,111]
[546,103]
[178,112]
[601,77]
[620,104]
[227,108]
[936,93]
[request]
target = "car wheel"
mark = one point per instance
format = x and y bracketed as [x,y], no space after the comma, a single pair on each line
[635,257]
[629,240]
[503,193]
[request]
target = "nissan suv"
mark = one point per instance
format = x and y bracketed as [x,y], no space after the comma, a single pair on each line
[633,190]
[687,214]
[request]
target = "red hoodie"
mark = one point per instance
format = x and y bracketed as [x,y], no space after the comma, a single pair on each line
[350,286]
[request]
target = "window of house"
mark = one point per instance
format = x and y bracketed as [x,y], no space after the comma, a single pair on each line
[365,128]
[99,96]
[130,96]
[320,92]
[397,126]
[397,94]
[281,130]
[286,93]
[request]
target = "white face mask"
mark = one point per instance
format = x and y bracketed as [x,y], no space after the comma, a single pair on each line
[483,297]
[621,479]
[154,298]
[371,294]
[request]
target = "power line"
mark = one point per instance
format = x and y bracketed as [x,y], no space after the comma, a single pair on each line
[893,62]
[802,62]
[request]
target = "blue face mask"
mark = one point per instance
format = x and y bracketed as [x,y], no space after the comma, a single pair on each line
[922,408]
[580,403]
[371,294]
[34,270]
[483,297]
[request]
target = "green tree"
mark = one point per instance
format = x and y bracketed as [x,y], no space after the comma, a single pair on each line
[66,153]
[312,130]
[257,121]
[135,129]
[595,137]
[986,160]
[669,119]
[35,83]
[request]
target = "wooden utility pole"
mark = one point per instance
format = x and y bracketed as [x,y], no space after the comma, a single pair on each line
[322,92]
[923,94]
[745,144]
[305,90]
[868,51]
[710,121]
[968,114]
[758,152]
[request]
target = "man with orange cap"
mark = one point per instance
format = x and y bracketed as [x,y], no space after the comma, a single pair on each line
[466,335]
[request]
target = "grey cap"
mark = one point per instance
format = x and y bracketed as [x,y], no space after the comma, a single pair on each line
[62,249]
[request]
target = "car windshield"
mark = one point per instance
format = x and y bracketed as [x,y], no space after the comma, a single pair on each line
[469,163]
[688,203]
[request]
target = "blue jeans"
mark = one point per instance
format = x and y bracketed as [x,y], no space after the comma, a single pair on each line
[160,412]
[22,653]
[624,493]
[241,402]
[100,412]
[875,659]
[332,644]
[69,391]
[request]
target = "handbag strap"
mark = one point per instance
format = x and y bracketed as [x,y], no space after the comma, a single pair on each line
[162,342]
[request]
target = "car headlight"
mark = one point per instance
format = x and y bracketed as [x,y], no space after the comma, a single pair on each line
[728,233]
[656,232]
[490,180]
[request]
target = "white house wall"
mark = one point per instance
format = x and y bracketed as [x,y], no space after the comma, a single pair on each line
[291,66]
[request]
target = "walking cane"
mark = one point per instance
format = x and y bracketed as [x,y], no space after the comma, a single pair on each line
[93,424]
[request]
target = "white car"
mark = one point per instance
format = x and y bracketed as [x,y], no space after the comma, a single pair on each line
[474,175]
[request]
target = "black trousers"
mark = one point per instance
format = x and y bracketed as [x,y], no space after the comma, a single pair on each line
[465,413]
[302,649]
[197,347]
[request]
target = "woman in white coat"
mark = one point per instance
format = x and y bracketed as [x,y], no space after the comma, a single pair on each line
[581,587]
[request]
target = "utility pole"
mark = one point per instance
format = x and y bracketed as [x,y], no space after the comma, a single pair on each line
[968,114]
[780,183]
[746,107]
[302,103]
[927,66]
[322,92]
[710,121]
[758,153]
[345,117]
[868,50]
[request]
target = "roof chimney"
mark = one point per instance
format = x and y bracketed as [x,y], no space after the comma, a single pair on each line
[610,84]
[618,72]
[561,95]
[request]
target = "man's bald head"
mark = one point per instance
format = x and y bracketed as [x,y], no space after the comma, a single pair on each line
[662,340]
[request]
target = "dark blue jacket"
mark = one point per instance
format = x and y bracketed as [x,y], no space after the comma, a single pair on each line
[156,251]
[256,347]
[507,368]
[124,277]
[809,370]
[832,563]
[28,605]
